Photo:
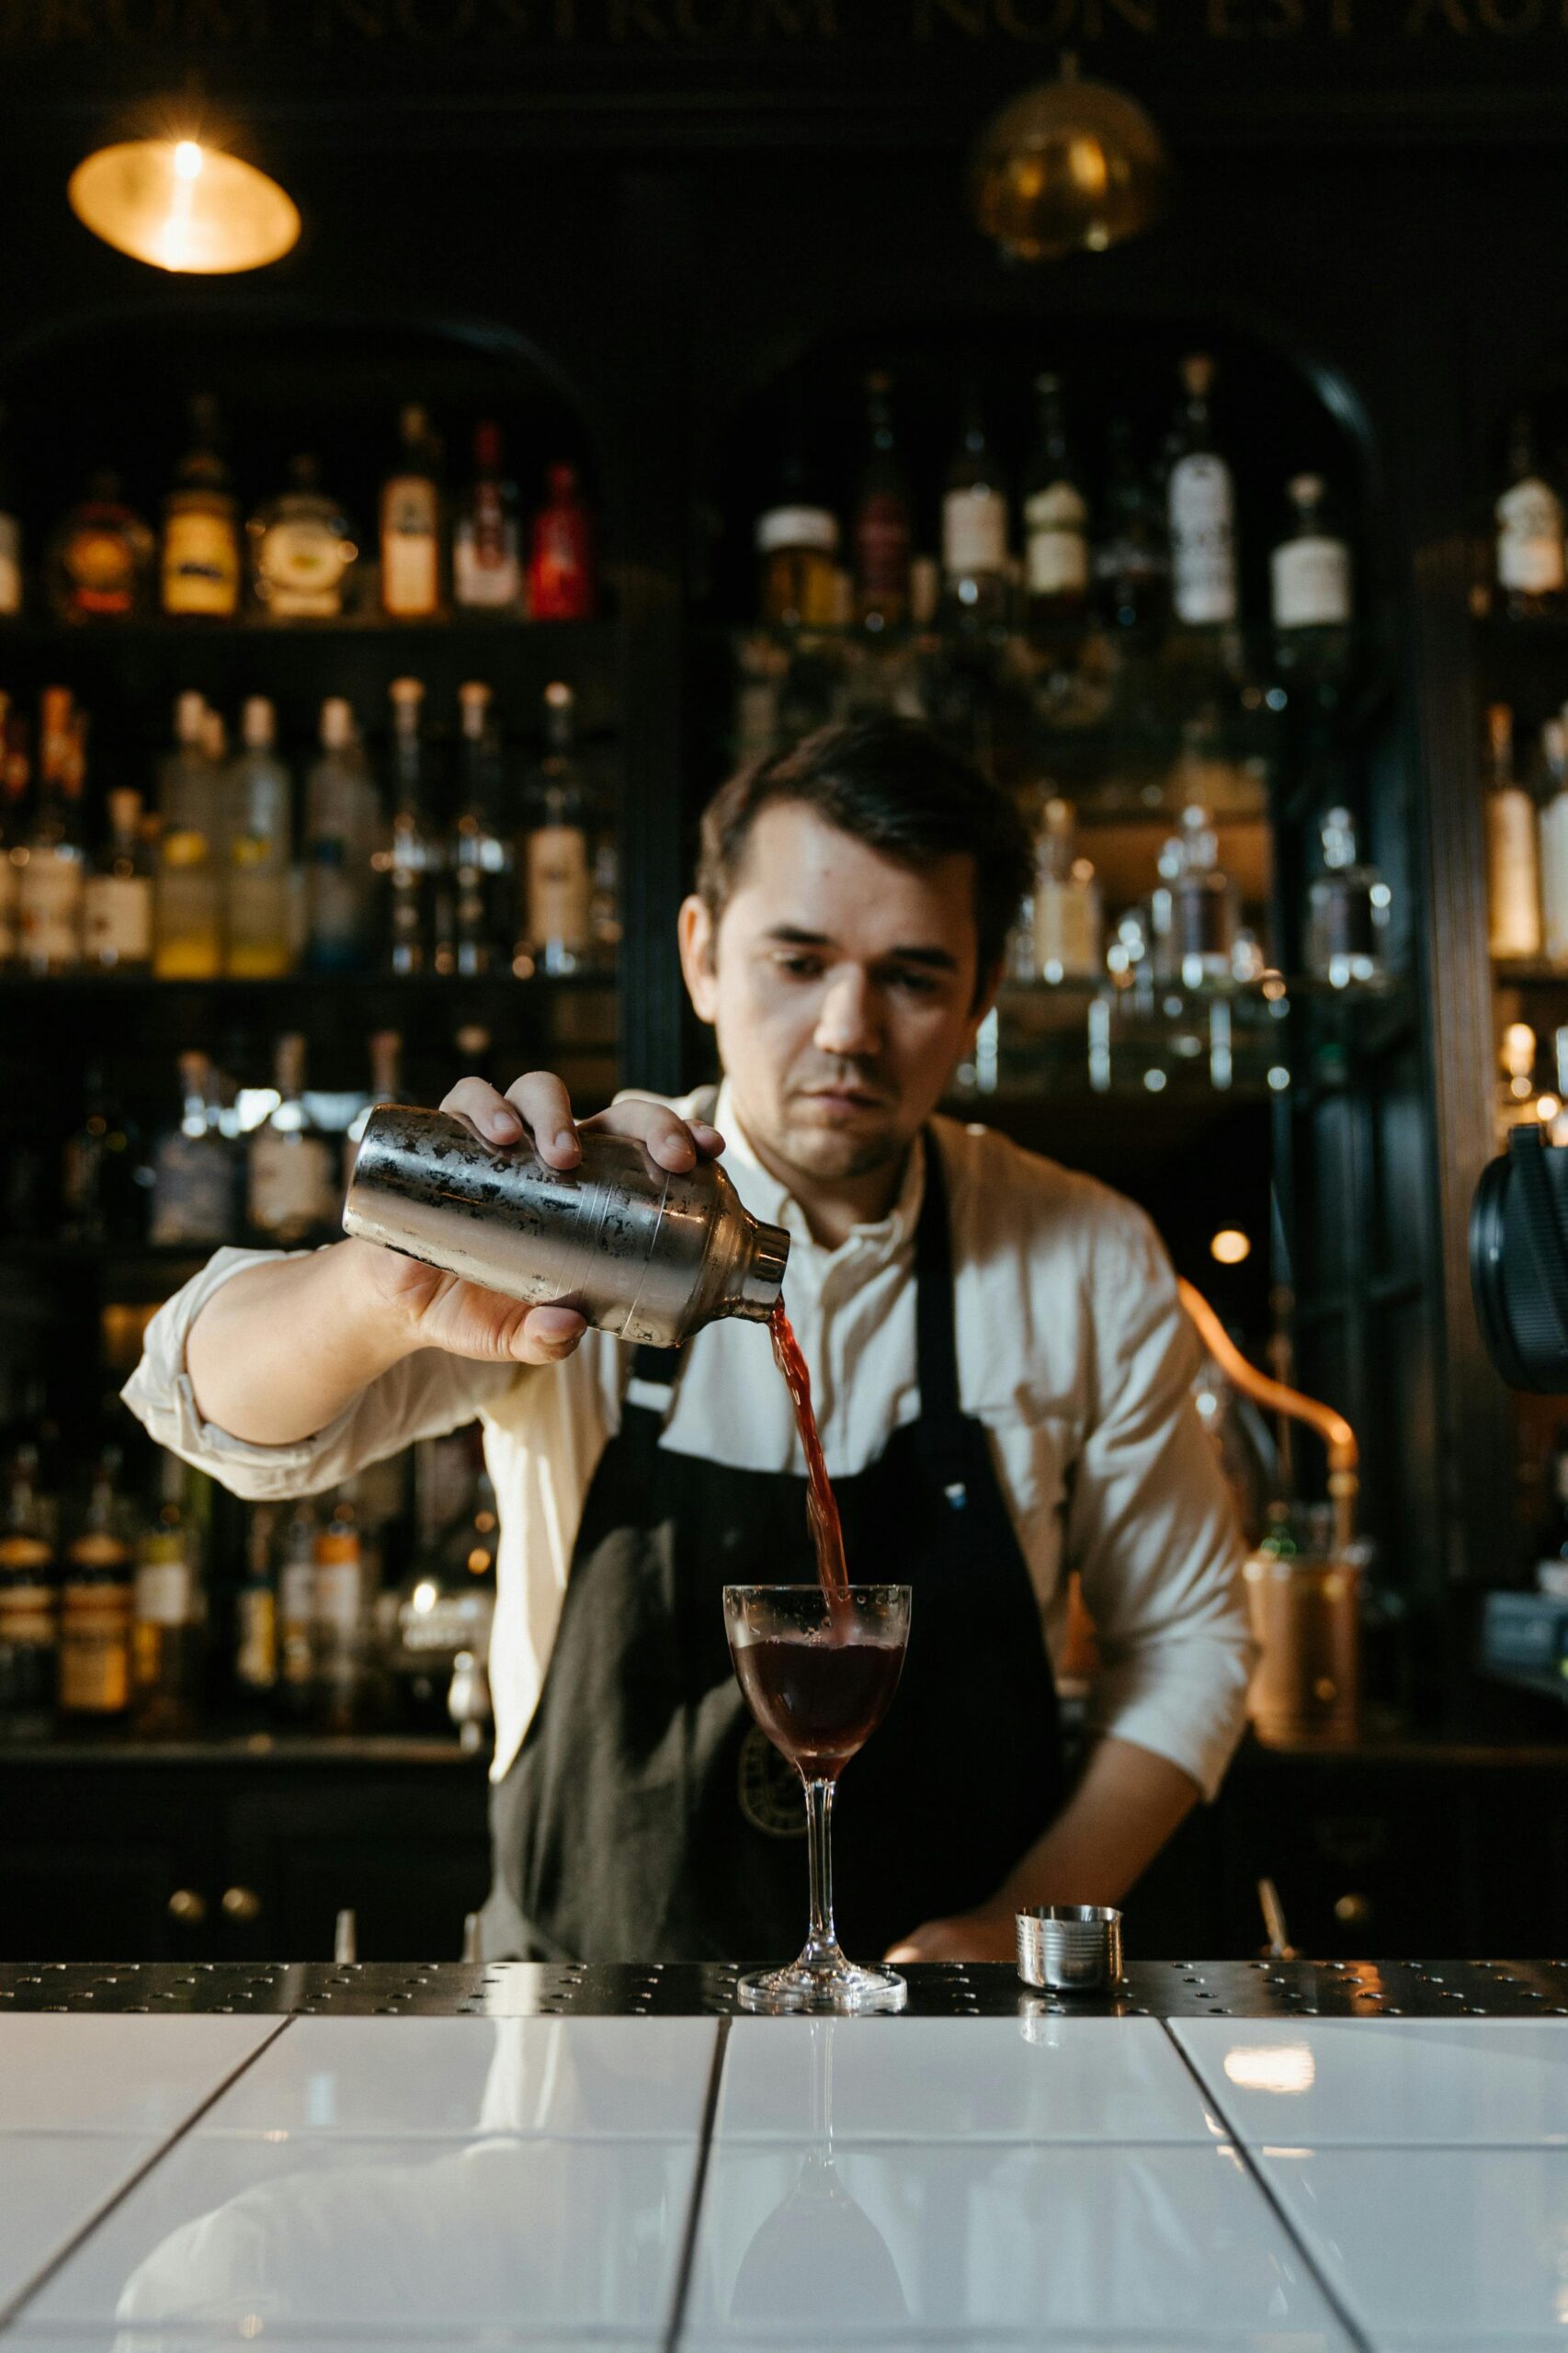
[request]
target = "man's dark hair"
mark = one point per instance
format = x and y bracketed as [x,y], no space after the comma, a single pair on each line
[895,786]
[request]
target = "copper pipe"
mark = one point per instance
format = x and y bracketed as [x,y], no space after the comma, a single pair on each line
[1338,1438]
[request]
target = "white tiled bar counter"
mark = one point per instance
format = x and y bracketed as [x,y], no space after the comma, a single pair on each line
[1291,2159]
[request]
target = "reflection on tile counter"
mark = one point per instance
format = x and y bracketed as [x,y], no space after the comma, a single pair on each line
[52,2184]
[1320,2082]
[117,2073]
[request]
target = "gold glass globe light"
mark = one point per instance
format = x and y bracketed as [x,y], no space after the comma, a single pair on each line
[1066,167]
[182,206]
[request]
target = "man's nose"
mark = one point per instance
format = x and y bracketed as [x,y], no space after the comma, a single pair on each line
[850,1019]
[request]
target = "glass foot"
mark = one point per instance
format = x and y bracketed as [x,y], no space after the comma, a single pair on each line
[822,1986]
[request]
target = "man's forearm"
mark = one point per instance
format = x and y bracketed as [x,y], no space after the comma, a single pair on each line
[1127,1804]
[280,1350]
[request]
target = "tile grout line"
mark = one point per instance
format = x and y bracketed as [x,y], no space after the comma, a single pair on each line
[1341,2311]
[672,2336]
[12,2311]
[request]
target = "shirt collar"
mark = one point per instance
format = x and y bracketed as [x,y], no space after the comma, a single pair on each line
[768,1199]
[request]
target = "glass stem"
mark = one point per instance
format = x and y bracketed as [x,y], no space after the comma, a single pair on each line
[823,1938]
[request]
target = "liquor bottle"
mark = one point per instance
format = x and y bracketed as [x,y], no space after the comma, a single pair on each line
[562,586]
[487,564]
[412,858]
[411,523]
[882,529]
[96,1609]
[1347,910]
[1203,906]
[188,899]
[341,825]
[14,780]
[292,1176]
[445,1606]
[1513,858]
[1516,1096]
[117,896]
[341,1627]
[201,569]
[48,893]
[100,559]
[1202,511]
[1131,563]
[1056,518]
[196,1169]
[482,884]
[1310,583]
[1553,838]
[1069,923]
[10,535]
[302,549]
[29,1622]
[386,1056]
[103,1189]
[1530,568]
[255,1610]
[797,548]
[258,878]
[297,1613]
[974,528]
[168,1626]
[604,900]
[558,884]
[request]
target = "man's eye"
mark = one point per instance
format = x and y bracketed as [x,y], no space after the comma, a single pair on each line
[918,984]
[804,967]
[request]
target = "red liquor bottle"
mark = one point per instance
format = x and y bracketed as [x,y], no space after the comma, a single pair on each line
[561,556]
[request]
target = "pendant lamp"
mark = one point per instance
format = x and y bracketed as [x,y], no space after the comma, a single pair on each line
[1066,167]
[183,205]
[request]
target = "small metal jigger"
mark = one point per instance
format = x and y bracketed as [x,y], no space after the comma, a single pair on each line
[1070,1948]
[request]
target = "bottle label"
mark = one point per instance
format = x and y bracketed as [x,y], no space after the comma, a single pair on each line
[560,887]
[193,1192]
[1056,527]
[49,906]
[10,566]
[487,570]
[166,1594]
[882,547]
[339,1593]
[302,565]
[95,1650]
[26,1599]
[1529,539]
[258,944]
[293,1185]
[256,1653]
[1513,874]
[100,573]
[1067,930]
[411,572]
[1203,554]
[1311,584]
[116,919]
[201,563]
[974,531]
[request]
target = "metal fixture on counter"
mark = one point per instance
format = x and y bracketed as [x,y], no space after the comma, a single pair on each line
[1065,167]
[345,1937]
[1070,1947]
[1279,1947]
[184,205]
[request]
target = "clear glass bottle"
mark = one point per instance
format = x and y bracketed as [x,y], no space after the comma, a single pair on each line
[104,1179]
[1530,555]
[1517,1096]
[53,872]
[196,1169]
[255,1611]
[297,1613]
[487,540]
[412,860]
[562,583]
[1347,910]
[558,881]
[29,1603]
[257,930]
[1131,563]
[188,899]
[883,533]
[10,533]
[342,827]
[292,1175]
[117,897]
[1513,849]
[201,571]
[386,1061]
[1056,516]
[974,528]
[100,559]
[1203,905]
[95,1608]
[411,523]
[341,1651]
[1310,583]
[1201,510]
[302,549]
[480,853]
[1069,922]
[169,1621]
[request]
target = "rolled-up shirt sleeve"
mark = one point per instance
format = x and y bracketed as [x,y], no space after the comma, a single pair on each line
[1152,1530]
[424,1396]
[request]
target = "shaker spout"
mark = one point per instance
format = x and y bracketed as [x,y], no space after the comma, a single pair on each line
[762,1276]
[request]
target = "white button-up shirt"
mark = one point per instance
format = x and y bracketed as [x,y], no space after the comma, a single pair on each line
[1073,1352]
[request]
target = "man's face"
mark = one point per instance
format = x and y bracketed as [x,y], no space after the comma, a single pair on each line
[842,987]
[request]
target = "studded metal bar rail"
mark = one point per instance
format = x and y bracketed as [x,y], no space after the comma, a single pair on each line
[1260,1989]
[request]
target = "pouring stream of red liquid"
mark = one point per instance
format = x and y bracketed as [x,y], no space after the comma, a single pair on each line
[821,1508]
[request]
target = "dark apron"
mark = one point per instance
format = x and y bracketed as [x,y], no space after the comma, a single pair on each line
[646,1818]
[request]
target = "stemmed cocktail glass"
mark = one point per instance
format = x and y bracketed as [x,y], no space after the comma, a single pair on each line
[818,1674]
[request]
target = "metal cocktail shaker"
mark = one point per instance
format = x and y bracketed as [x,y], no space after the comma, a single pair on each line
[636,1249]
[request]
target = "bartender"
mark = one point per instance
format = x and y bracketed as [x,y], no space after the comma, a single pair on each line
[1002,1377]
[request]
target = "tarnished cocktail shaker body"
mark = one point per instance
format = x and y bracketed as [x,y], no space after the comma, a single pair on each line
[637,1249]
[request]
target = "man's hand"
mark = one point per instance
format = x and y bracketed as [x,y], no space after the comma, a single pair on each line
[989,1934]
[441,1312]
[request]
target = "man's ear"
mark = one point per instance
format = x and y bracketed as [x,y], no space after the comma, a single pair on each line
[695,931]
